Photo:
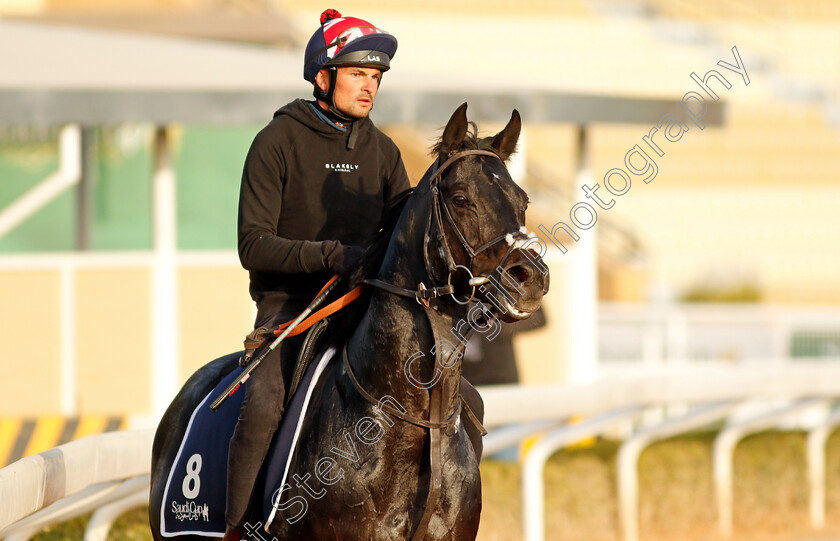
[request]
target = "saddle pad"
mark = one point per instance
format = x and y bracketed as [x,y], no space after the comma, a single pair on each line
[282,448]
[195,493]
[194,497]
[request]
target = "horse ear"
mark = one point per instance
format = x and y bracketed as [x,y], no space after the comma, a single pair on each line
[455,131]
[505,141]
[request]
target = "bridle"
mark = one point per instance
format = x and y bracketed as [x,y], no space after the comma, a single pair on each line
[438,213]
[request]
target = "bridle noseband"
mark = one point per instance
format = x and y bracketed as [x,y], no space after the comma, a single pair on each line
[423,294]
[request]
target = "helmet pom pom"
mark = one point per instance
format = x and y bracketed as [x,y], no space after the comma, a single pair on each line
[328,15]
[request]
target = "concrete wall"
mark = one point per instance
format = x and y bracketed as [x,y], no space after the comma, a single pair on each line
[112,344]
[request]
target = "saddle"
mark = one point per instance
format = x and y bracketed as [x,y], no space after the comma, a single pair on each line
[259,337]
[312,344]
[317,325]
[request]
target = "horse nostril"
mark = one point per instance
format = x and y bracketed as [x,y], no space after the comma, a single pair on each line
[520,272]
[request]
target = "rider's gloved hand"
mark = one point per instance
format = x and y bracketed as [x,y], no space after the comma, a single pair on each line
[339,258]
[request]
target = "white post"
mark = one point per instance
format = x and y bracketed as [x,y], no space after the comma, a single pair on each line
[165,365]
[676,336]
[627,461]
[724,448]
[533,486]
[581,287]
[103,518]
[817,439]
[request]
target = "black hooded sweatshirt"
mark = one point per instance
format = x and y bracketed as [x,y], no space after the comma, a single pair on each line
[301,186]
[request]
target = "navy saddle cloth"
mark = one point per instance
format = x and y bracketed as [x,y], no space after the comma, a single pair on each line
[195,493]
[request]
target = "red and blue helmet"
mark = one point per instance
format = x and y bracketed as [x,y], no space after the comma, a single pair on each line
[347,41]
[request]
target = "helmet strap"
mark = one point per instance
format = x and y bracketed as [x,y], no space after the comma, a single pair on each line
[328,97]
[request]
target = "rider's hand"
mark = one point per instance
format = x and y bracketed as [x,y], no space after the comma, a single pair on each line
[340,258]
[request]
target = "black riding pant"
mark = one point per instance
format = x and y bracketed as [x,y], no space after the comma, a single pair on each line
[259,417]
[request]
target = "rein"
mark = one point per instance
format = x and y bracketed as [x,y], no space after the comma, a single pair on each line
[422,423]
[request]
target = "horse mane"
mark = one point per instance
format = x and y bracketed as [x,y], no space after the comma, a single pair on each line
[471,142]
[367,267]
[369,264]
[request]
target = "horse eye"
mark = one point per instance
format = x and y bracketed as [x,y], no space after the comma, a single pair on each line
[460,200]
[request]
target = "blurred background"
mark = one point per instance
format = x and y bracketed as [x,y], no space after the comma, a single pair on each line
[124,127]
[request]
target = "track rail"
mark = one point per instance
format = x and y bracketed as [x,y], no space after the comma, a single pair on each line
[109,472]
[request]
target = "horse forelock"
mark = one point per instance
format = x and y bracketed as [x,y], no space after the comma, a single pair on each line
[471,142]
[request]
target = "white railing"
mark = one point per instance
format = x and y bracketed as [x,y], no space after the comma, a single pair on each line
[69,173]
[658,335]
[747,397]
[98,472]
[110,472]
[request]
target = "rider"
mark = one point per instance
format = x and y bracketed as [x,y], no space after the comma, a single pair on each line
[315,183]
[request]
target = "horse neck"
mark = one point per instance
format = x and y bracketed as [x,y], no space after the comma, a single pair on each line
[397,329]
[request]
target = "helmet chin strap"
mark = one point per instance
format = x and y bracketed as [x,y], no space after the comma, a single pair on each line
[327,96]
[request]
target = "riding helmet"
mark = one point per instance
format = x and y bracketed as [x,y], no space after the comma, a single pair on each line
[347,41]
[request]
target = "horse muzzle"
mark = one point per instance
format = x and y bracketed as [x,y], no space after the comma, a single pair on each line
[517,288]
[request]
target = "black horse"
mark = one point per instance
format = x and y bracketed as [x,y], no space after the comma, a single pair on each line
[383,434]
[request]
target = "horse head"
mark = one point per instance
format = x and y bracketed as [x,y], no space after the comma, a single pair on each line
[476,238]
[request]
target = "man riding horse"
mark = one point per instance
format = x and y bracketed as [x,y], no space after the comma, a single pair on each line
[315,184]
[380,419]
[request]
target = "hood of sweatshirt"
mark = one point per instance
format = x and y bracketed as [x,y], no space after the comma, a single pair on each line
[304,112]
